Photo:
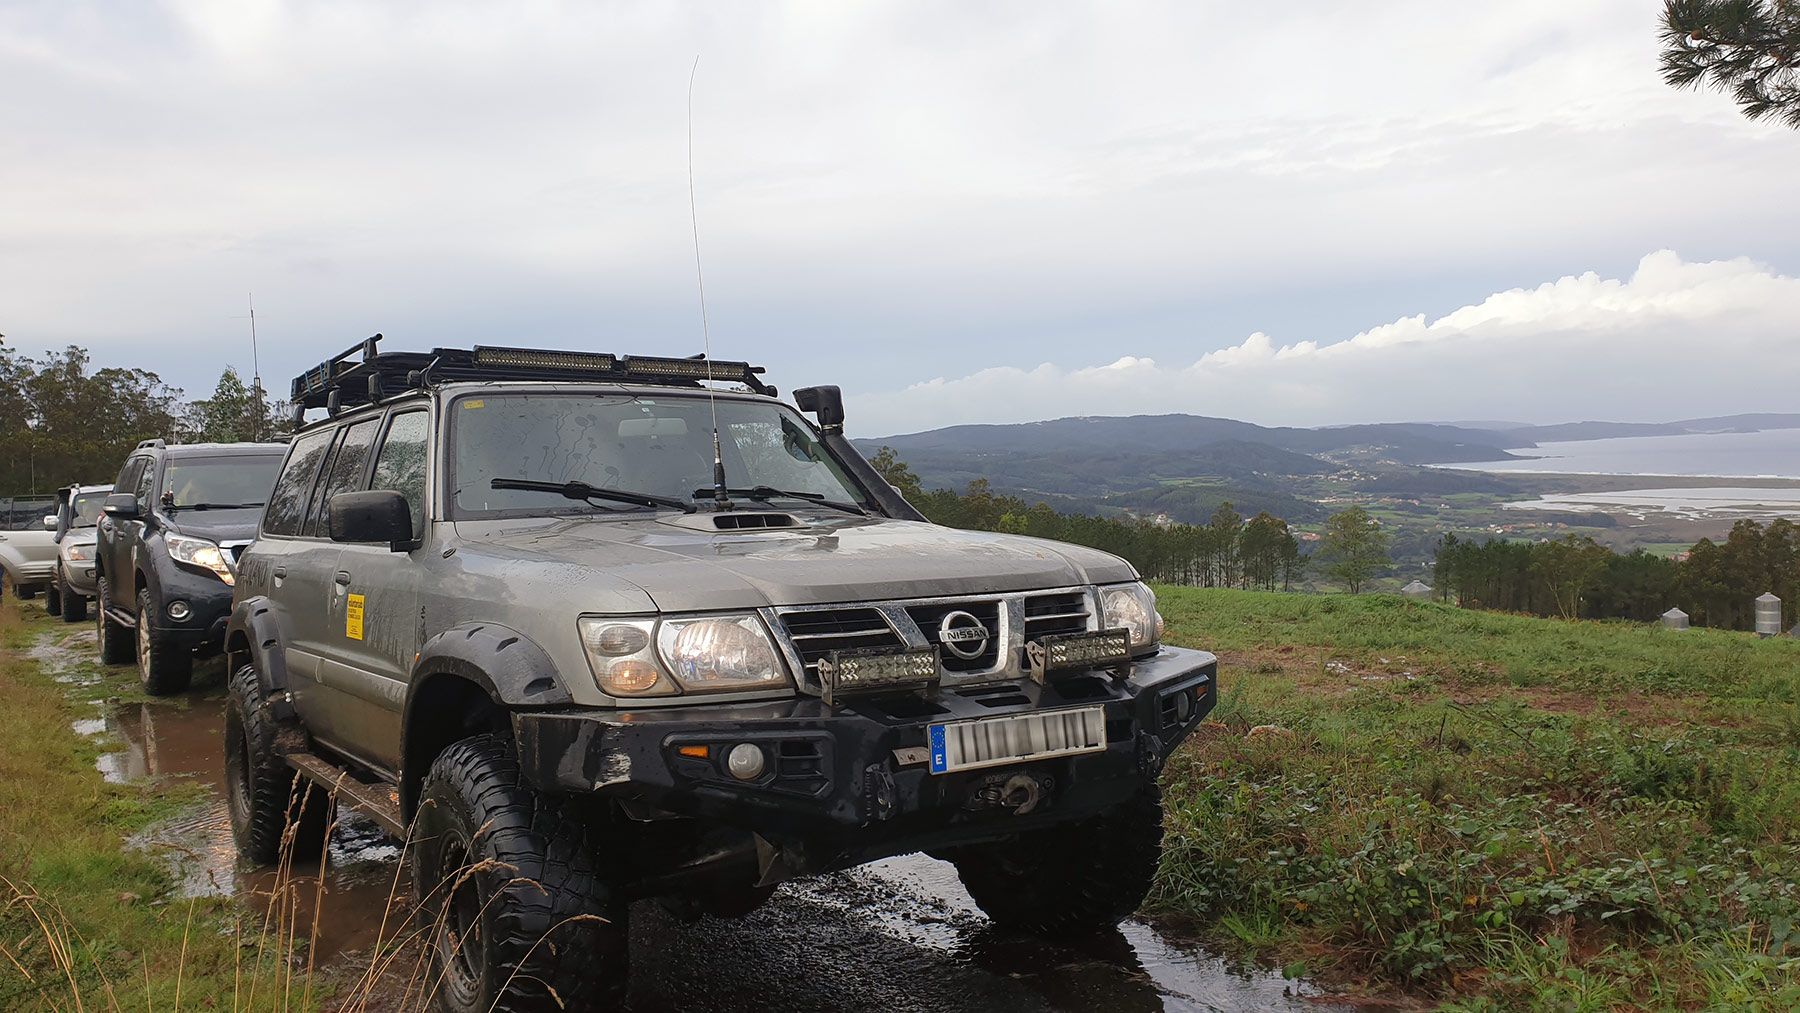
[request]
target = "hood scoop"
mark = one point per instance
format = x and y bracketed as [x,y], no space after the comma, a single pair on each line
[736,520]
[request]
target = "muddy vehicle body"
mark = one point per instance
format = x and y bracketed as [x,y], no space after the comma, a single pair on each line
[72,583]
[27,543]
[505,601]
[166,548]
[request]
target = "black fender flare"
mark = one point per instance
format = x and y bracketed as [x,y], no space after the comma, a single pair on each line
[499,662]
[513,670]
[253,637]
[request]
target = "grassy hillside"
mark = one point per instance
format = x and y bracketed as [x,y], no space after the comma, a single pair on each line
[1490,809]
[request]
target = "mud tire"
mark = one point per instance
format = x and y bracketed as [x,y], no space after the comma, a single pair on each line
[496,869]
[53,599]
[163,668]
[115,641]
[263,795]
[1071,880]
[74,606]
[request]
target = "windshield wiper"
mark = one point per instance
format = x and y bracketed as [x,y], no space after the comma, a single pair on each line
[212,506]
[584,491]
[765,493]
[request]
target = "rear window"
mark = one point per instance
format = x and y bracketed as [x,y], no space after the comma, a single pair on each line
[25,513]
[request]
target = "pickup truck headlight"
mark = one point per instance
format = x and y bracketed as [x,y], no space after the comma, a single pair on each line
[198,552]
[1132,607]
[78,552]
[650,657]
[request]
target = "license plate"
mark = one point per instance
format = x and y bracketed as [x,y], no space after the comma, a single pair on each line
[989,742]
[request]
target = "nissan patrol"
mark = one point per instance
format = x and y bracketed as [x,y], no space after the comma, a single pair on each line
[589,629]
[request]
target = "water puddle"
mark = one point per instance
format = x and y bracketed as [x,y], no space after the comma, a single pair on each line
[897,934]
[180,740]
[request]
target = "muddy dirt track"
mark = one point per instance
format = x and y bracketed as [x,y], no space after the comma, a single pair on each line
[897,935]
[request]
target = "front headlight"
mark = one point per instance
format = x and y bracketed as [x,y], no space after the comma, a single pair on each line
[1132,607]
[201,553]
[720,654]
[649,657]
[79,552]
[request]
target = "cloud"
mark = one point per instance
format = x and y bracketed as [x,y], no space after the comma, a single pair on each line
[1675,339]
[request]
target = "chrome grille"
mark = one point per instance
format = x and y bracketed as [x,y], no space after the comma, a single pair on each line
[812,631]
[1062,612]
[930,616]
[816,633]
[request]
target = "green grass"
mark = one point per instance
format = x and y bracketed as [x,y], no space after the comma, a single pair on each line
[85,921]
[1491,808]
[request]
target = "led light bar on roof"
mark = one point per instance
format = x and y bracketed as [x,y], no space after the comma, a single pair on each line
[534,358]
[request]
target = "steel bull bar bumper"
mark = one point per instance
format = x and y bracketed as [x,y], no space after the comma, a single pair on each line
[862,770]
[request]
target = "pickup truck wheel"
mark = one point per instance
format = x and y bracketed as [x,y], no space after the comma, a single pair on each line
[53,597]
[74,606]
[262,794]
[1078,878]
[115,641]
[508,882]
[163,668]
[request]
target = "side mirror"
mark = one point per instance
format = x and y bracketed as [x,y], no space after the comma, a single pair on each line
[377,516]
[825,402]
[121,506]
[49,522]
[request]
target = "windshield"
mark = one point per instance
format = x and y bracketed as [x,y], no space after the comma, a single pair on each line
[219,482]
[84,512]
[659,446]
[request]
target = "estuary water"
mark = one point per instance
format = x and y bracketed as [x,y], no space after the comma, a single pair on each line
[1771,453]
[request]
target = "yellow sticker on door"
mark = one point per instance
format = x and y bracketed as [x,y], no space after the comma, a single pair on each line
[353,613]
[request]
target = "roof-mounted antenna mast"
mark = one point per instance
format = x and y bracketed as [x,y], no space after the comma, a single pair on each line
[720,497]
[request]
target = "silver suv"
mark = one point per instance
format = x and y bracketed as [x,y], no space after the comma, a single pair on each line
[590,630]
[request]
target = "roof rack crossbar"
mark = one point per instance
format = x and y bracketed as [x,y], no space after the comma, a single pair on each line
[362,374]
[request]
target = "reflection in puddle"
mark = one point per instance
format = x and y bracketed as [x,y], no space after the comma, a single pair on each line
[182,739]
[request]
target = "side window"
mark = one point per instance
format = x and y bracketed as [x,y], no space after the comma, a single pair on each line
[287,501]
[400,464]
[128,475]
[348,466]
[144,487]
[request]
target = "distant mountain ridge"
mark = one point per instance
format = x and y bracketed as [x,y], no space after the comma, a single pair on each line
[1185,465]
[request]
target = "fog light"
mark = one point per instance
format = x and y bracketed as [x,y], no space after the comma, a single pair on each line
[179,611]
[745,761]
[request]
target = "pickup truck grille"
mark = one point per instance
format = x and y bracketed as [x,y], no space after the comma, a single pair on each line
[817,633]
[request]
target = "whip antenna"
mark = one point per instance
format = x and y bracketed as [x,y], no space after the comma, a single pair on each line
[720,497]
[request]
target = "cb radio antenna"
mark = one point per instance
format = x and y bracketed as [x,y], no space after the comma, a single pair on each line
[721,498]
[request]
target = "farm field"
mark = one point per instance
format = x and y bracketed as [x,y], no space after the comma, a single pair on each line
[1489,810]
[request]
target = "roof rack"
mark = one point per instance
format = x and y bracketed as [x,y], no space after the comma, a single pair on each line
[157,443]
[362,374]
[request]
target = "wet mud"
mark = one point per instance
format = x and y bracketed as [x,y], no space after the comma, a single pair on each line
[901,934]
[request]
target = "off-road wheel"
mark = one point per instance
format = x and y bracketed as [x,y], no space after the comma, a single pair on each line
[53,597]
[1068,880]
[163,668]
[263,795]
[74,606]
[508,883]
[115,641]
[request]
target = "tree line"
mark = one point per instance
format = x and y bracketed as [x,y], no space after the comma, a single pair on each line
[1715,583]
[62,421]
[1227,551]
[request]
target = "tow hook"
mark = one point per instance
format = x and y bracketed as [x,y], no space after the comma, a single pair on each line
[1150,754]
[1019,792]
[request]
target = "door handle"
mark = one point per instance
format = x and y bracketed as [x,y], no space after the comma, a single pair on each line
[343,577]
[280,572]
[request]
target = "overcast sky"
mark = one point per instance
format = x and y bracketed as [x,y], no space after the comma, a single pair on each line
[1302,214]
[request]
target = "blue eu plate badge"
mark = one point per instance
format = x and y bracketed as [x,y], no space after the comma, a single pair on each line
[940,757]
